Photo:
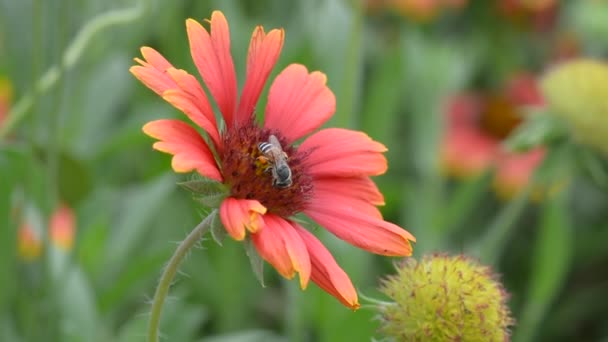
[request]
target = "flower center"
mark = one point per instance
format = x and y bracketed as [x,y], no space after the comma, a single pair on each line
[249,172]
[499,117]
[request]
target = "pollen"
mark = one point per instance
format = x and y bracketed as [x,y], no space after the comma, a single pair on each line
[247,172]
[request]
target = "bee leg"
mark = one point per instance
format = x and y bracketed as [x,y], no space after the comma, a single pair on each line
[263,160]
[265,163]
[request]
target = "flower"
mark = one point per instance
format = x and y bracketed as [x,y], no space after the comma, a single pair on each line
[576,92]
[443,298]
[476,126]
[29,244]
[6,94]
[541,15]
[61,230]
[62,226]
[330,170]
[418,10]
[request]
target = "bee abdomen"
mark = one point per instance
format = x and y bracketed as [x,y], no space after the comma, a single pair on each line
[265,147]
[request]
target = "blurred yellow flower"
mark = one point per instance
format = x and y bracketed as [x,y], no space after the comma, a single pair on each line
[577,92]
[6,96]
[29,244]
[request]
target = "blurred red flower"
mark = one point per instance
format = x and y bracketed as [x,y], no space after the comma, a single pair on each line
[419,10]
[61,232]
[476,127]
[62,228]
[538,14]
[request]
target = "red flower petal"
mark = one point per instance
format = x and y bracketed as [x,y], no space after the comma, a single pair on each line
[463,110]
[240,214]
[467,151]
[192,100]
[355,194]
[264,51]
[211,54]
[522,89]
[62,227]
[190,106]
[152,71]
[344,153]
[177,87]
[362,230]
[298,102]
[362,188]
[326,272]
[189,150]
[280,245]
[514,171]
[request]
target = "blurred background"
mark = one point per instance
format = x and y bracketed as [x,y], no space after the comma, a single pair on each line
[89,214]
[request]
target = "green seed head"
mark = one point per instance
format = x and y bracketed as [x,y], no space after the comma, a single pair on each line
[443,298]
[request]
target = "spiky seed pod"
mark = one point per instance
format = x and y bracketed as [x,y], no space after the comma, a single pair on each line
[444,298]
[577,92]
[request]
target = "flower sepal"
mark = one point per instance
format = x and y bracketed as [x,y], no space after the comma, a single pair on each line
[218,232]
[208,192]
[257,263]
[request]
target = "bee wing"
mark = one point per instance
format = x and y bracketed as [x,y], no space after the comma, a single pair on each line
[274,141]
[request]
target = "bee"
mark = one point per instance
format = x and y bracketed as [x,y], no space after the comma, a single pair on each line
[273,154]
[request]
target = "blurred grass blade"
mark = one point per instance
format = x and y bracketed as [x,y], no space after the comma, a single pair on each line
[467,195]
[137,209]
[12,168]
[77,301]
[70,57]
[492,244]
[382,99]
[550,264]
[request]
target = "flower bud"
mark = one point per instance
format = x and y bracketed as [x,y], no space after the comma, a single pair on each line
[29,244]
[443,298]
[62,228]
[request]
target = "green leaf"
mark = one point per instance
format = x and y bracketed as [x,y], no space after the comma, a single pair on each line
[74,178]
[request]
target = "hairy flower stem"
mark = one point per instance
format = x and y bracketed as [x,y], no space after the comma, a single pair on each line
[169,273]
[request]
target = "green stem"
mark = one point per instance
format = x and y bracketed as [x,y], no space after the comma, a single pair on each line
[467,195]
[169,273]
[294,318]
[71,55]
[492,244]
